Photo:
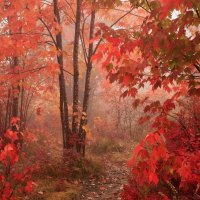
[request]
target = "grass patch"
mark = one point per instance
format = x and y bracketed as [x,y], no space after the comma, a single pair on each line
[84,168]
[106,145]
[51,189]
[125,156]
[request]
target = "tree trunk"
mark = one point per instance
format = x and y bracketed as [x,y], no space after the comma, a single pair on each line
[76,69]
[7,111]
[16,91]
[63,96]
[83,120]
[21,108]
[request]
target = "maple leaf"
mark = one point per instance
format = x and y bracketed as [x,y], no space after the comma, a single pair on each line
[151,139]
[168,5]
[29,186]
[137,149]
[126,80]
[153,178]
[13,136]
[96,57]
[14,120]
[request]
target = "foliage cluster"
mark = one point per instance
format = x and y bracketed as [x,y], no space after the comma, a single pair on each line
[15,180]
[165,164]
[161,53]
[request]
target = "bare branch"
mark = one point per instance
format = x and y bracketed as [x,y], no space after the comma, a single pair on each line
[43,22]
[84,48]
[111,27]
[197,13]
[116,9]
[148,5]
[197,67]
[69,4]
[68,72]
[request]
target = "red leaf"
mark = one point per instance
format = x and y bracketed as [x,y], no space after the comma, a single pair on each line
[96,57]
[29,186]
[153,178]
[11,135]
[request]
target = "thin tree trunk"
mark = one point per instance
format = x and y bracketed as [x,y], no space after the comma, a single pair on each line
[83,120]
[13,103]
[26,108]
[10,110]
[76,69]
[63,96]
[21,108]
[1,119]
[16,91]
[7,110]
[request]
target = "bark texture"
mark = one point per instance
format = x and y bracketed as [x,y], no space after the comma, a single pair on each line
[83,120]
[16,91]
[63,95]
[76,69]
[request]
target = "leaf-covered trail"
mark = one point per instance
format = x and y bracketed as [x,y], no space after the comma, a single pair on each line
[111,184]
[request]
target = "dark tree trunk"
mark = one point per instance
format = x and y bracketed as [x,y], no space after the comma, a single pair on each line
[16,91]
[76,69]
[26,108]
[21,109]
[7,111]
[63,96]
[83,120]
[1,119]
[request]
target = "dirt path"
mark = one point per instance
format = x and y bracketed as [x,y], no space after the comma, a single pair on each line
[110,185]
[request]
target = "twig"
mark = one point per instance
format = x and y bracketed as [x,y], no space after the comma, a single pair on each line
[48,31]
[111,27]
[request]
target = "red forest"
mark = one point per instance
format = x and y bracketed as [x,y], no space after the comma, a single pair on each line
[100,99]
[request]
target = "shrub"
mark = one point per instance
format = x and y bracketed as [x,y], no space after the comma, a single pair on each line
[165,164]
[13,181]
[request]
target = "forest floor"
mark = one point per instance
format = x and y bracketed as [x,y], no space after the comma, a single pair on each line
[109,186]
[106,170]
